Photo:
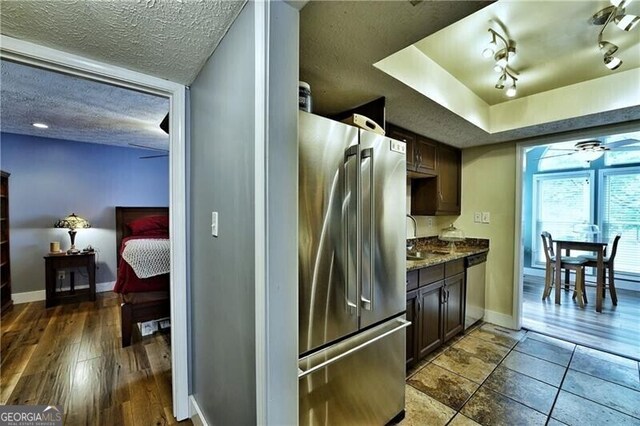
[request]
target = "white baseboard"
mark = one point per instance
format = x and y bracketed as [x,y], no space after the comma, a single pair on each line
[195,413]
[500,319]
[28,296]
[35,296]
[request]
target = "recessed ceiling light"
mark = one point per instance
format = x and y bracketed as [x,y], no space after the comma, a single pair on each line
[40,125]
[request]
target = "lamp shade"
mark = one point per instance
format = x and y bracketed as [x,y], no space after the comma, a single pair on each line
[72,222]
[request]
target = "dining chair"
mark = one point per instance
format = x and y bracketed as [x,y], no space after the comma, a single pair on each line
[571,263]
[592,261]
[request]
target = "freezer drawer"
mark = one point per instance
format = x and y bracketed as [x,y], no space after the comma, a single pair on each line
[359,381]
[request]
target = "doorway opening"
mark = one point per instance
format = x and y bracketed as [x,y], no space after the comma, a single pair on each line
[582,192]
[28,54]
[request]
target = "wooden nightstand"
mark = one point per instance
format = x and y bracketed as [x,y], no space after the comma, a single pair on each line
[55,262]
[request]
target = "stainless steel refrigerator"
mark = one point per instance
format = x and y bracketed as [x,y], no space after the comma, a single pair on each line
[351,253]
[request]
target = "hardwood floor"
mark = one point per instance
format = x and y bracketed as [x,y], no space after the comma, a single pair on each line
[70,355]
[615,330]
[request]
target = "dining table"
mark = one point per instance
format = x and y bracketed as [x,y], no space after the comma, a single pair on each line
[592,244]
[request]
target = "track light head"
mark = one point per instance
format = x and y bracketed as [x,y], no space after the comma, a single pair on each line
[612,62]
[609,48]
[626,22]
[500,82]
[491,48]
[620,3]
[511,91]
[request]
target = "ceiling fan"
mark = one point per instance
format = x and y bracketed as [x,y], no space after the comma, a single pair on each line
[145,157]
[593,149]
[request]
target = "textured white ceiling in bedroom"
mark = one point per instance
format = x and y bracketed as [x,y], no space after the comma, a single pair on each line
[78,109]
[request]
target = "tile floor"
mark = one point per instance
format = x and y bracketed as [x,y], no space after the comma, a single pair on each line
[496,376]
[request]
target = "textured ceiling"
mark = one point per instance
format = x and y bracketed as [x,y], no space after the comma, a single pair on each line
[339,42]
[555,46]
[78,109]
[169,39]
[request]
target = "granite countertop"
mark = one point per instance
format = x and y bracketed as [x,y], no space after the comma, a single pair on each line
[438,251]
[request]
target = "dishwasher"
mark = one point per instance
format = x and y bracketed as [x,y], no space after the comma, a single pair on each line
[474,305]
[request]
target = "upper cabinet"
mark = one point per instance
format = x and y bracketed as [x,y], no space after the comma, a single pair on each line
[435,172]
[421,152]
[407,137]
[424,152]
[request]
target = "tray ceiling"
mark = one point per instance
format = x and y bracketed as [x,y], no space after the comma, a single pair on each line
[343,44]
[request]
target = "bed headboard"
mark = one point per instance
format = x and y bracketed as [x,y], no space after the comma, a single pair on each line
[125,215]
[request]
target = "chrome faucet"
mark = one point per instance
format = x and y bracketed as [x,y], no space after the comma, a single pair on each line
[415,231]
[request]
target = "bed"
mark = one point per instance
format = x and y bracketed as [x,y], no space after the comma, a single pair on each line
[143,299]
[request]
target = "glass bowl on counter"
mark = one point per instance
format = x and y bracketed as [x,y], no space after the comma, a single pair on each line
[452,235]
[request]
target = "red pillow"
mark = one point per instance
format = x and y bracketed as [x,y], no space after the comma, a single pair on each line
[150,226]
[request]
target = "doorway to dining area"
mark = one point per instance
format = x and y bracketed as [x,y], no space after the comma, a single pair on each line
[583,195]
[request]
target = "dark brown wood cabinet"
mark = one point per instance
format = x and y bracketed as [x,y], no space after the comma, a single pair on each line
[453,315]
[5,263]
[430,309]
[424,153]
[435,170]
[435,309]
[412,330]
[440,195]
[399,134]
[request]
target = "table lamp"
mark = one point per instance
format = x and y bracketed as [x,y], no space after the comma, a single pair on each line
[72,223]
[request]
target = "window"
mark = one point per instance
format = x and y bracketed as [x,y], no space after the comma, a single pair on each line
[560,201]
[615,157]
[620,214]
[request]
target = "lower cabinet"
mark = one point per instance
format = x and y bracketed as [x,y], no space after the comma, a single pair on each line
[436,312]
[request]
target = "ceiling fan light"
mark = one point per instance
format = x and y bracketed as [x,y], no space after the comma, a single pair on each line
[627,22]
[612,62]
[511,91]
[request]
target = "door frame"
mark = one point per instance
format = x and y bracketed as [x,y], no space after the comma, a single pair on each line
[43,57]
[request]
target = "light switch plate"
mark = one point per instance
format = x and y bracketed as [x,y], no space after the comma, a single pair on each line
[477,217]
[214,224]
[486,217]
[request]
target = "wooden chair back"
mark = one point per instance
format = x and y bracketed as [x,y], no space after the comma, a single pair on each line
[614,247]
[547,244]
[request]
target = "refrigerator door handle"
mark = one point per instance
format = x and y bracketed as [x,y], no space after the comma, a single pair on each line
[368,228]
[402,324]
[349,196]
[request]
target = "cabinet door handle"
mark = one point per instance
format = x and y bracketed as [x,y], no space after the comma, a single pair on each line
[419,306]
[447,300]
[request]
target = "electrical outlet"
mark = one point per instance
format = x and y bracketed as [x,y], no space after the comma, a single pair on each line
[61,275]
[477,217]
[486,217]
[430,222]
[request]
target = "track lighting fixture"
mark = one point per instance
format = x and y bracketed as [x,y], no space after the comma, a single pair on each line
[501,58]
[615,13]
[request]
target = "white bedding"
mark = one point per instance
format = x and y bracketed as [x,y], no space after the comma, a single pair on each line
[148,257]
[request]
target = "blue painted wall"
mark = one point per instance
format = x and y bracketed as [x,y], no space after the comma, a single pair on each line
[51,178]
